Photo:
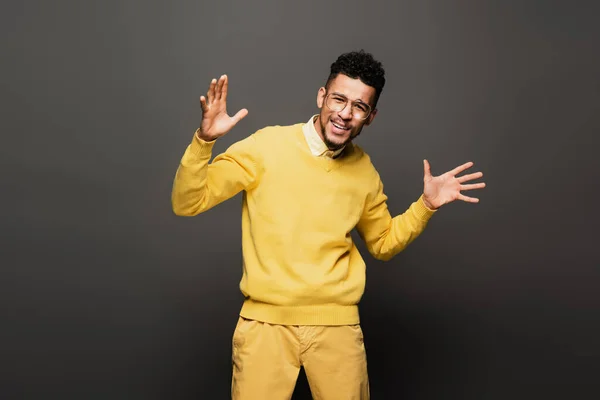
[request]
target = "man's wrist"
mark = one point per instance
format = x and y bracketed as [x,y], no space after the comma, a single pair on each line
[198,134]
[428,204]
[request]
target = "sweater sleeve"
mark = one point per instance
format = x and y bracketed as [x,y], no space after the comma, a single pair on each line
[200,185]
[386,236]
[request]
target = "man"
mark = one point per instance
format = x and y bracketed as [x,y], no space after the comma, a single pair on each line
[305,188]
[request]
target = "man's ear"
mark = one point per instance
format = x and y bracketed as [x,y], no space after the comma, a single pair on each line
[371,117]
[321,97]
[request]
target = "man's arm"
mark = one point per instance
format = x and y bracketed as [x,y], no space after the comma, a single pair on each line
[386,236]
[199,185]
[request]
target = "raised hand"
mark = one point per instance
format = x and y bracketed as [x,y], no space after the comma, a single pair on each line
[215,120]
[445,188]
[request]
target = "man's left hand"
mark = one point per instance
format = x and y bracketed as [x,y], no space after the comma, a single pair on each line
[445,188]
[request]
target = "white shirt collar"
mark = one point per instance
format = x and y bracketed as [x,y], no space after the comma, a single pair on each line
[315,143]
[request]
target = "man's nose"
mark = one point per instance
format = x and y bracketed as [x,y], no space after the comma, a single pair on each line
[346,113]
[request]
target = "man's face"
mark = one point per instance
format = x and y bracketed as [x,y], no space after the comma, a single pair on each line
[337,128]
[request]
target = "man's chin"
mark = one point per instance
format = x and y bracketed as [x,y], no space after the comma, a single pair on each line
[333,146]
[335,142]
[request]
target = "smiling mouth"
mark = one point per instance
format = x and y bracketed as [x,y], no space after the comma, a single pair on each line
[340,127]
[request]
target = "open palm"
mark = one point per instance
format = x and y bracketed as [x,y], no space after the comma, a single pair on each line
[215,120]
[446,188]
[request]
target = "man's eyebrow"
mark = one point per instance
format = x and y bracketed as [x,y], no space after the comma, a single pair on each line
[357,100]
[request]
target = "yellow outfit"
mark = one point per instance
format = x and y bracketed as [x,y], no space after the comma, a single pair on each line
[267,360]
[300,265]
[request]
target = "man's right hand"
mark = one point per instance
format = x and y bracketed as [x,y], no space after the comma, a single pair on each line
[215,120]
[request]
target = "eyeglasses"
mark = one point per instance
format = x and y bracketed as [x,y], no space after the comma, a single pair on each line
[337,102]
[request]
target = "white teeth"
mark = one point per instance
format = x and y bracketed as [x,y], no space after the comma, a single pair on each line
[339,127]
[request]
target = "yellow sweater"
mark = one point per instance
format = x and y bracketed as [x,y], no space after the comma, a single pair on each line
[300,265]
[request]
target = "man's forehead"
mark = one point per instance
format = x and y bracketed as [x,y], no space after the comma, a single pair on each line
[352,88]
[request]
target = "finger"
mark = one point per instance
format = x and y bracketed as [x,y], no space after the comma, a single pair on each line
[225,88]
[239,115]
[426,169]
[203,104]
[211,91]
[461,168]
[469,177]
[472,186]
[468,199]
[219,88]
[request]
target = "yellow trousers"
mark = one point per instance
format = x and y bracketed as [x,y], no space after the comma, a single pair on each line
[267,359]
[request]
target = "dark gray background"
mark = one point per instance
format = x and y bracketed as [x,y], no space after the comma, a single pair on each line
[105,294]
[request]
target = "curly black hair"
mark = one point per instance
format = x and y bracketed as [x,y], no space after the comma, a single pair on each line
[361,65]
